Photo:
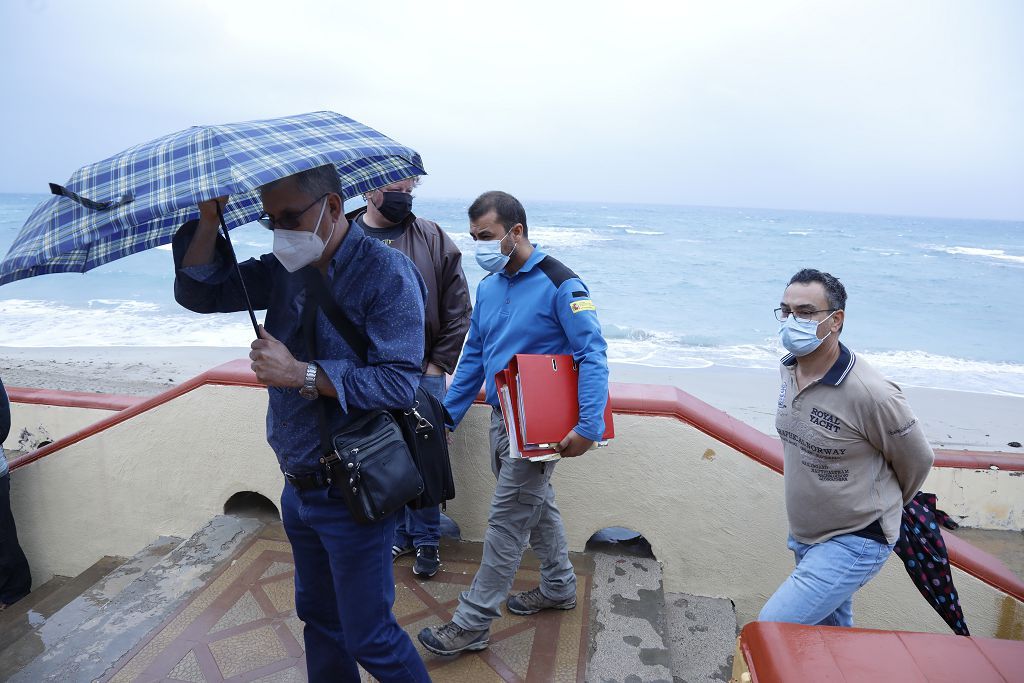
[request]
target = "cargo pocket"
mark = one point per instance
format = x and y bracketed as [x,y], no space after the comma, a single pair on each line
[530,499]
[527,497]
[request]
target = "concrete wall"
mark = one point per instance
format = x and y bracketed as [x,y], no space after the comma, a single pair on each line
[985,499]
[34,423]
[164,472]
[714,517]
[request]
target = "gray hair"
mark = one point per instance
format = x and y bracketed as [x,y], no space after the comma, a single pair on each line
[316,182]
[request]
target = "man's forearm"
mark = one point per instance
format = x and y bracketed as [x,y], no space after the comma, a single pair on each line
[203,245]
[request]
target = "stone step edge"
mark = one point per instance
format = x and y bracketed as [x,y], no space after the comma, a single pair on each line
[97,644]
[92,601]
[701,636]
[627,623]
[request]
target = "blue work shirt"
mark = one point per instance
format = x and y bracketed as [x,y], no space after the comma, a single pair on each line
[380,292]
[543,308]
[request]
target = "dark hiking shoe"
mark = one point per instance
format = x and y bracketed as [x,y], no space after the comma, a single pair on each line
[534,601]
[427,561]
[451,639]
[398,551]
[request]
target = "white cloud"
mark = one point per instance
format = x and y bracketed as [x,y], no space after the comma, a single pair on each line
[873,106]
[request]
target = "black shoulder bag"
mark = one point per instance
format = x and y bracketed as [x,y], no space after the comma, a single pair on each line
[387,458]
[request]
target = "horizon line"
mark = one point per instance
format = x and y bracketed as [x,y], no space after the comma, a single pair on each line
[528,199]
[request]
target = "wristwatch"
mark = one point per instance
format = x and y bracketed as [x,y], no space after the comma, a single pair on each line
[308,390]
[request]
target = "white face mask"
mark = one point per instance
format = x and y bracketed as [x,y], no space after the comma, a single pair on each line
[298,248]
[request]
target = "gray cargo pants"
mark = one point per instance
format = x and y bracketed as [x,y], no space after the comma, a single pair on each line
[523,509]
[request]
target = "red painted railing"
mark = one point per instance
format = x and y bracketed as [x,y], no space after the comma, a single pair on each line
[635,399]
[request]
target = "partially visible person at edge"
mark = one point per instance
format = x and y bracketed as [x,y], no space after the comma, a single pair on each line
[15,577]
[531,303]
[388,217]
[344,586]
[854,456]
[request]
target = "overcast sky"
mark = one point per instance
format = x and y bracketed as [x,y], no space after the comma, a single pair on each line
[880,107]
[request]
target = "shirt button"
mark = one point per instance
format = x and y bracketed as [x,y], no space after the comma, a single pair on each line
[508,301]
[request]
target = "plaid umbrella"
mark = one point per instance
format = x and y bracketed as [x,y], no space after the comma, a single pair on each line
[926,560]
[137,199]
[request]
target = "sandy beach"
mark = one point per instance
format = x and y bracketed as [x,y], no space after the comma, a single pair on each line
[952,419]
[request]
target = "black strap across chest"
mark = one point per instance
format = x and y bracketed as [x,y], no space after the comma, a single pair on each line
[319,296]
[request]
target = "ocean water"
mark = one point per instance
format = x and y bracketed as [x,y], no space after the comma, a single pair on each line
[932,302]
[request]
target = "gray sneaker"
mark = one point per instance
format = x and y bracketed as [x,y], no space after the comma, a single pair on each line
[534,601]
[451,639]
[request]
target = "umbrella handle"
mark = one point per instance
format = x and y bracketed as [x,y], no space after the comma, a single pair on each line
[238,271]
[62,191]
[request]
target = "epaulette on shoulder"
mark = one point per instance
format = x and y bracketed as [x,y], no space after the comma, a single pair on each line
[556,271]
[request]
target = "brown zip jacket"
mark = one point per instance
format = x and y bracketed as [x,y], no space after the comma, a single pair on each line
[447,308]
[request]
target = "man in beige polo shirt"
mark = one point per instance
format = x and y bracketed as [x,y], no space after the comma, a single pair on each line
[855,454]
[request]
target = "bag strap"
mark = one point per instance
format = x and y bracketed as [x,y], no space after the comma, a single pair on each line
[319,296]
[309,309]
[316,289]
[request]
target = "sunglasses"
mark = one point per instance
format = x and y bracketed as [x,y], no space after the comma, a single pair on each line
[289,220]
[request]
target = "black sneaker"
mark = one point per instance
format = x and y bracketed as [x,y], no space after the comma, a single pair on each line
[398,551]
[427,561]
[451,639]
[534,601]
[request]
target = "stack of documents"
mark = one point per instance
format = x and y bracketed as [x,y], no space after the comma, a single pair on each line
[540,404]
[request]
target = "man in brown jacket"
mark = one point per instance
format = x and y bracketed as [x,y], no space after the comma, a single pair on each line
[388,216]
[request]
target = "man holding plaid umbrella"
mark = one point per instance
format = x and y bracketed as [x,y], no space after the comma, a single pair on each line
[344,586]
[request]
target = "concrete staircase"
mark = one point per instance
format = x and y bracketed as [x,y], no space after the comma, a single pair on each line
[639,633]
[75,629]
[78,629]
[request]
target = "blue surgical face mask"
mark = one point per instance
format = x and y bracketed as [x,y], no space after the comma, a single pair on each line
[800,337]
[489,256]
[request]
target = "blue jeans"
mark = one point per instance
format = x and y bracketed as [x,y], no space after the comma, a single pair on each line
[344,591]
[422,527]
[820,590]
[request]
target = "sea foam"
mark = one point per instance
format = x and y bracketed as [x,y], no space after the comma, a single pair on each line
[986,253]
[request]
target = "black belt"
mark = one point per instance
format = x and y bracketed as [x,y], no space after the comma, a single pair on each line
[307,481]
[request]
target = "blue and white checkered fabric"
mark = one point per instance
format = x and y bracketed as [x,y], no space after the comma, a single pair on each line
[168,178]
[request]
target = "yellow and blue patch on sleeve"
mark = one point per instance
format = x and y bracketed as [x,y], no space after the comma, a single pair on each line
[582,305]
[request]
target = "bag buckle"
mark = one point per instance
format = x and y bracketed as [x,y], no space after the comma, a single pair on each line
[422,423]
[328,462]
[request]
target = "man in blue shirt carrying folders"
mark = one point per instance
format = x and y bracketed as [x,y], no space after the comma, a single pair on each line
[531,303]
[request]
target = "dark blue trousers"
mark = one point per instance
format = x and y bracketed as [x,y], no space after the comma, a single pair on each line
[344,592]
[15,579]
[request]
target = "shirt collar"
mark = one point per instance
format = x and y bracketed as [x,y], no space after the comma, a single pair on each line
[839,370]
[534,259]
[347,249]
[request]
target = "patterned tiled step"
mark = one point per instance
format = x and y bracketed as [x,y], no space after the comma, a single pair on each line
[133,600]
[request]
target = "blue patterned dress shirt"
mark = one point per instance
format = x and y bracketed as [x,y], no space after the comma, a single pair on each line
[379,290]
